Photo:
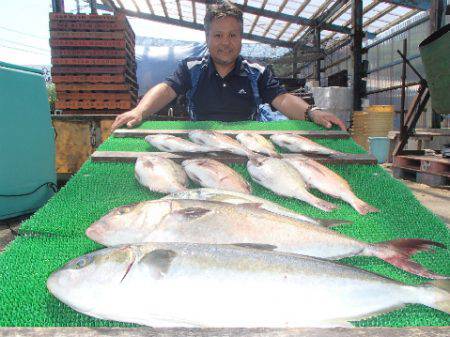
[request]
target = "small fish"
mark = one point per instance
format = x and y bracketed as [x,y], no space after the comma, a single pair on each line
[257,143]
[214,174]
[283,179]
[296,143]
[171,143]
[160,174]
[328,182]
[219,141]
[236,198]
[199,285]
[179,220]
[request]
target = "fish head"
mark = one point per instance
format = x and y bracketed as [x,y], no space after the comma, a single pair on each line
[129,223]
[85,281]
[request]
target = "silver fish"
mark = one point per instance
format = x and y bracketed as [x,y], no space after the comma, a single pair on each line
[219,141]
[283,179]
[296,143]
[214,174]
[236,198]
[178,220]
[257,143]
[160,174]
[194,285]
[171,143]
[328,182]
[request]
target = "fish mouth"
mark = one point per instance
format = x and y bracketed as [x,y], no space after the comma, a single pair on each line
[95,231]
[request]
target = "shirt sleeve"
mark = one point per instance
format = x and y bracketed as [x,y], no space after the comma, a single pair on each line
[180,80]
[269,86]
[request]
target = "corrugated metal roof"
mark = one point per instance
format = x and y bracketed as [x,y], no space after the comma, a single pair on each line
[277,22]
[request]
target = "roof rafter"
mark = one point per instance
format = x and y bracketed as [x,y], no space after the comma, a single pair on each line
[421,5]
[323,18]
[314,16]
[287,17]
[193,25]
[297,12]
[280,9]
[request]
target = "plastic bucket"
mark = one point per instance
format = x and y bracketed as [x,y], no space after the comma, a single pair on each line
[379,148]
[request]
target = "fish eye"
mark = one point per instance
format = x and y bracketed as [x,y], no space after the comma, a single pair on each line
[83,262]
[123,210]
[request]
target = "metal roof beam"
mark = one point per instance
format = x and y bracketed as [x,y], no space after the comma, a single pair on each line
[197,26]
[422,5]
[286,17]
[322,18]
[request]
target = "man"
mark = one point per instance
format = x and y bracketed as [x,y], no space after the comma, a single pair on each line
[223,85]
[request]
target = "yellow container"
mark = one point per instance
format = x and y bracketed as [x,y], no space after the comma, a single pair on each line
[380,108]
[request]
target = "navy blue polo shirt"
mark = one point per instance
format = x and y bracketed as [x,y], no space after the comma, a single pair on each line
[225,99]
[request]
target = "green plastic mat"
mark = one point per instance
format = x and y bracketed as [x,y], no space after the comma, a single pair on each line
[55,234]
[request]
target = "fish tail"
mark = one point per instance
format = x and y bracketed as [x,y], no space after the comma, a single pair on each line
[363,207]
[399,252]
[332,222]
[440,295]
[319,203]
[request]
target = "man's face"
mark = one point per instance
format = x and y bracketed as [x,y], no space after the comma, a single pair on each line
[224,40]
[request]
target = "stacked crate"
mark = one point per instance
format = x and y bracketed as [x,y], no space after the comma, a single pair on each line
[93,63]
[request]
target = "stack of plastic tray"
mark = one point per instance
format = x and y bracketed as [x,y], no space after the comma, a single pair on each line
[93,63]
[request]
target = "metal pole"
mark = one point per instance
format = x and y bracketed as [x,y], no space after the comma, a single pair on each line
[58,6]
[93,5]
[317,45]
[357,36]
[294,62]
[402,112]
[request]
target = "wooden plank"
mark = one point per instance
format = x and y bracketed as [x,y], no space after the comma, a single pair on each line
[141,133]
[226,332]
[229,158]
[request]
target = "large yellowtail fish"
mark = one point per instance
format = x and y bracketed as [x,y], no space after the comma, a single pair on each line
[197,285]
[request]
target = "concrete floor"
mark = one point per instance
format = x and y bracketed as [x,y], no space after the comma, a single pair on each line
[435,199]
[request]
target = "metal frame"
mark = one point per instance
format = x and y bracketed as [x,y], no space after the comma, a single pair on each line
[281,20]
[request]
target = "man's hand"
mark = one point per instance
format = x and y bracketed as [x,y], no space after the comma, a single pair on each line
[326,119]
[130,118]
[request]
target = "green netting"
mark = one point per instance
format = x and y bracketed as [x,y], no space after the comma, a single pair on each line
[25,266]
[55,234]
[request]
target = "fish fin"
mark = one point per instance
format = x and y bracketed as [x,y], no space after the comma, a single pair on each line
[148,164]
[320,204]
[363,208]
[398,253]
[259,246]
[192,213]
[158,261]
[252,204]
[332,222]
[444,304]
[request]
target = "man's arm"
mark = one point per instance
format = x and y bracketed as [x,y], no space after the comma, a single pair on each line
[294,107]
[153,101]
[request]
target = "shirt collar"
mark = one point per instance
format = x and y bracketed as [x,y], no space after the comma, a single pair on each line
[237,70]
